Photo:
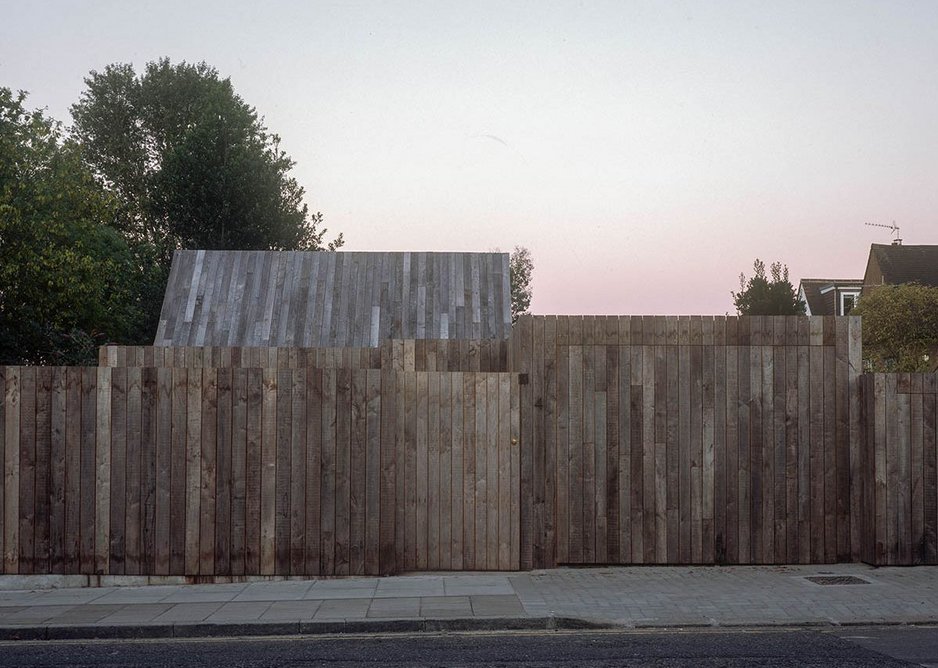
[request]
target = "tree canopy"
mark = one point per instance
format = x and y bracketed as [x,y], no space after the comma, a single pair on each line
[520,270]
[89,218]
[68,281]
[190,163]
[900,327]
[767,295]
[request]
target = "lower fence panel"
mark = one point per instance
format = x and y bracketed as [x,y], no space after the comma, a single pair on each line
[248,471]
[901,526]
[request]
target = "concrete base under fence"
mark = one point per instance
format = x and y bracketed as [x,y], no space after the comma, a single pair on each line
[19,582]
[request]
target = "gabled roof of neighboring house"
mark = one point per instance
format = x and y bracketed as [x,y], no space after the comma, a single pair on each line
[332,299]
[895,263]
[820,293]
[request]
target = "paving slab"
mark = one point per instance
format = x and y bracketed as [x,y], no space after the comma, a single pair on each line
[136,595]
[188,612]
[346,583]
[410,587]
[38,614]
[70,596]
[342,589]
[200,596]
[239,611]
[394,608]
[496,606]
[333,609]
[291,610]
[84,614]
[339,594]
[18,598]
[433,607]
[275,591]
[136,614]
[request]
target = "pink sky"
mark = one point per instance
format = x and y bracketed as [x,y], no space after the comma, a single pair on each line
[645,152]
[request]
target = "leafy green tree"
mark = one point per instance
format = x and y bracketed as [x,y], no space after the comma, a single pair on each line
[759,295]
[68,281]
[190,163]
[520,271]
[900,327]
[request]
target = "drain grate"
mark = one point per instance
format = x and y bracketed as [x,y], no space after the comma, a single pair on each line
[837,580]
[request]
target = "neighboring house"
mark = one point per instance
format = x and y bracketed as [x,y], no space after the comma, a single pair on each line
[332,299]
[829,296]
[893,264]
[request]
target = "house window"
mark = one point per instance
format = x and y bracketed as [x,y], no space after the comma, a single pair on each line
[847,301]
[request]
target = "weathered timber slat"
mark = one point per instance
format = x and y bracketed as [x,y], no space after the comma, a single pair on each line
[680,440]
[353,299]
[899,425]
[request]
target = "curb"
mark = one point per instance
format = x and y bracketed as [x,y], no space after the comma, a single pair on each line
[209,630]
[338,627]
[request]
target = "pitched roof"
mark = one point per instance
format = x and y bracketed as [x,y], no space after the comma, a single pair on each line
[820,299]
[326,299]
[905,264]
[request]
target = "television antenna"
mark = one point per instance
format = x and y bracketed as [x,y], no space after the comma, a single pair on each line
[895,229]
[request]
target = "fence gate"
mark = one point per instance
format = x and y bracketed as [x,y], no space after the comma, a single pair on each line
[457,471]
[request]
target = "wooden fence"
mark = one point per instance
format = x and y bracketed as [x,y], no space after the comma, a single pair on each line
[398,354]
[623,440]
[226,471]
[689,440]
[901,506]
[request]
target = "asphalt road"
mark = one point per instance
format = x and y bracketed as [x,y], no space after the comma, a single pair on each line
[851,647]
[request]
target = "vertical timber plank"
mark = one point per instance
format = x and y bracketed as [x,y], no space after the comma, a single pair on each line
[238,485]
[177,515]
[132,517]
[193,469]
[208,435]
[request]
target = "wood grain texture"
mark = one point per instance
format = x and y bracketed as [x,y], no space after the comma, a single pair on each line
[357,298]
[132,512]
[720,440]
[59,428]
[899,423]
[193,483]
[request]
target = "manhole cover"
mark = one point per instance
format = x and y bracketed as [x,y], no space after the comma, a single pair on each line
[836,580]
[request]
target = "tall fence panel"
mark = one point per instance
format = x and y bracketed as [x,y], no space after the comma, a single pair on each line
[256,471]
[900,436]
[663,440]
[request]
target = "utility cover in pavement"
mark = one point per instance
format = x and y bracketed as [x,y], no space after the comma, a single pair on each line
[836,580]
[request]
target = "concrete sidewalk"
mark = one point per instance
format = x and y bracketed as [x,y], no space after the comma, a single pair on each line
[635,597]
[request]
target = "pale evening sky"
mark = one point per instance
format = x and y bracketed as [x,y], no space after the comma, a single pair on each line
[645,152]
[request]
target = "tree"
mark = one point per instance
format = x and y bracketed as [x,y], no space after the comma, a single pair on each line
[900,327]
[761,296]
[190,163]
[68,281]
[520,270]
